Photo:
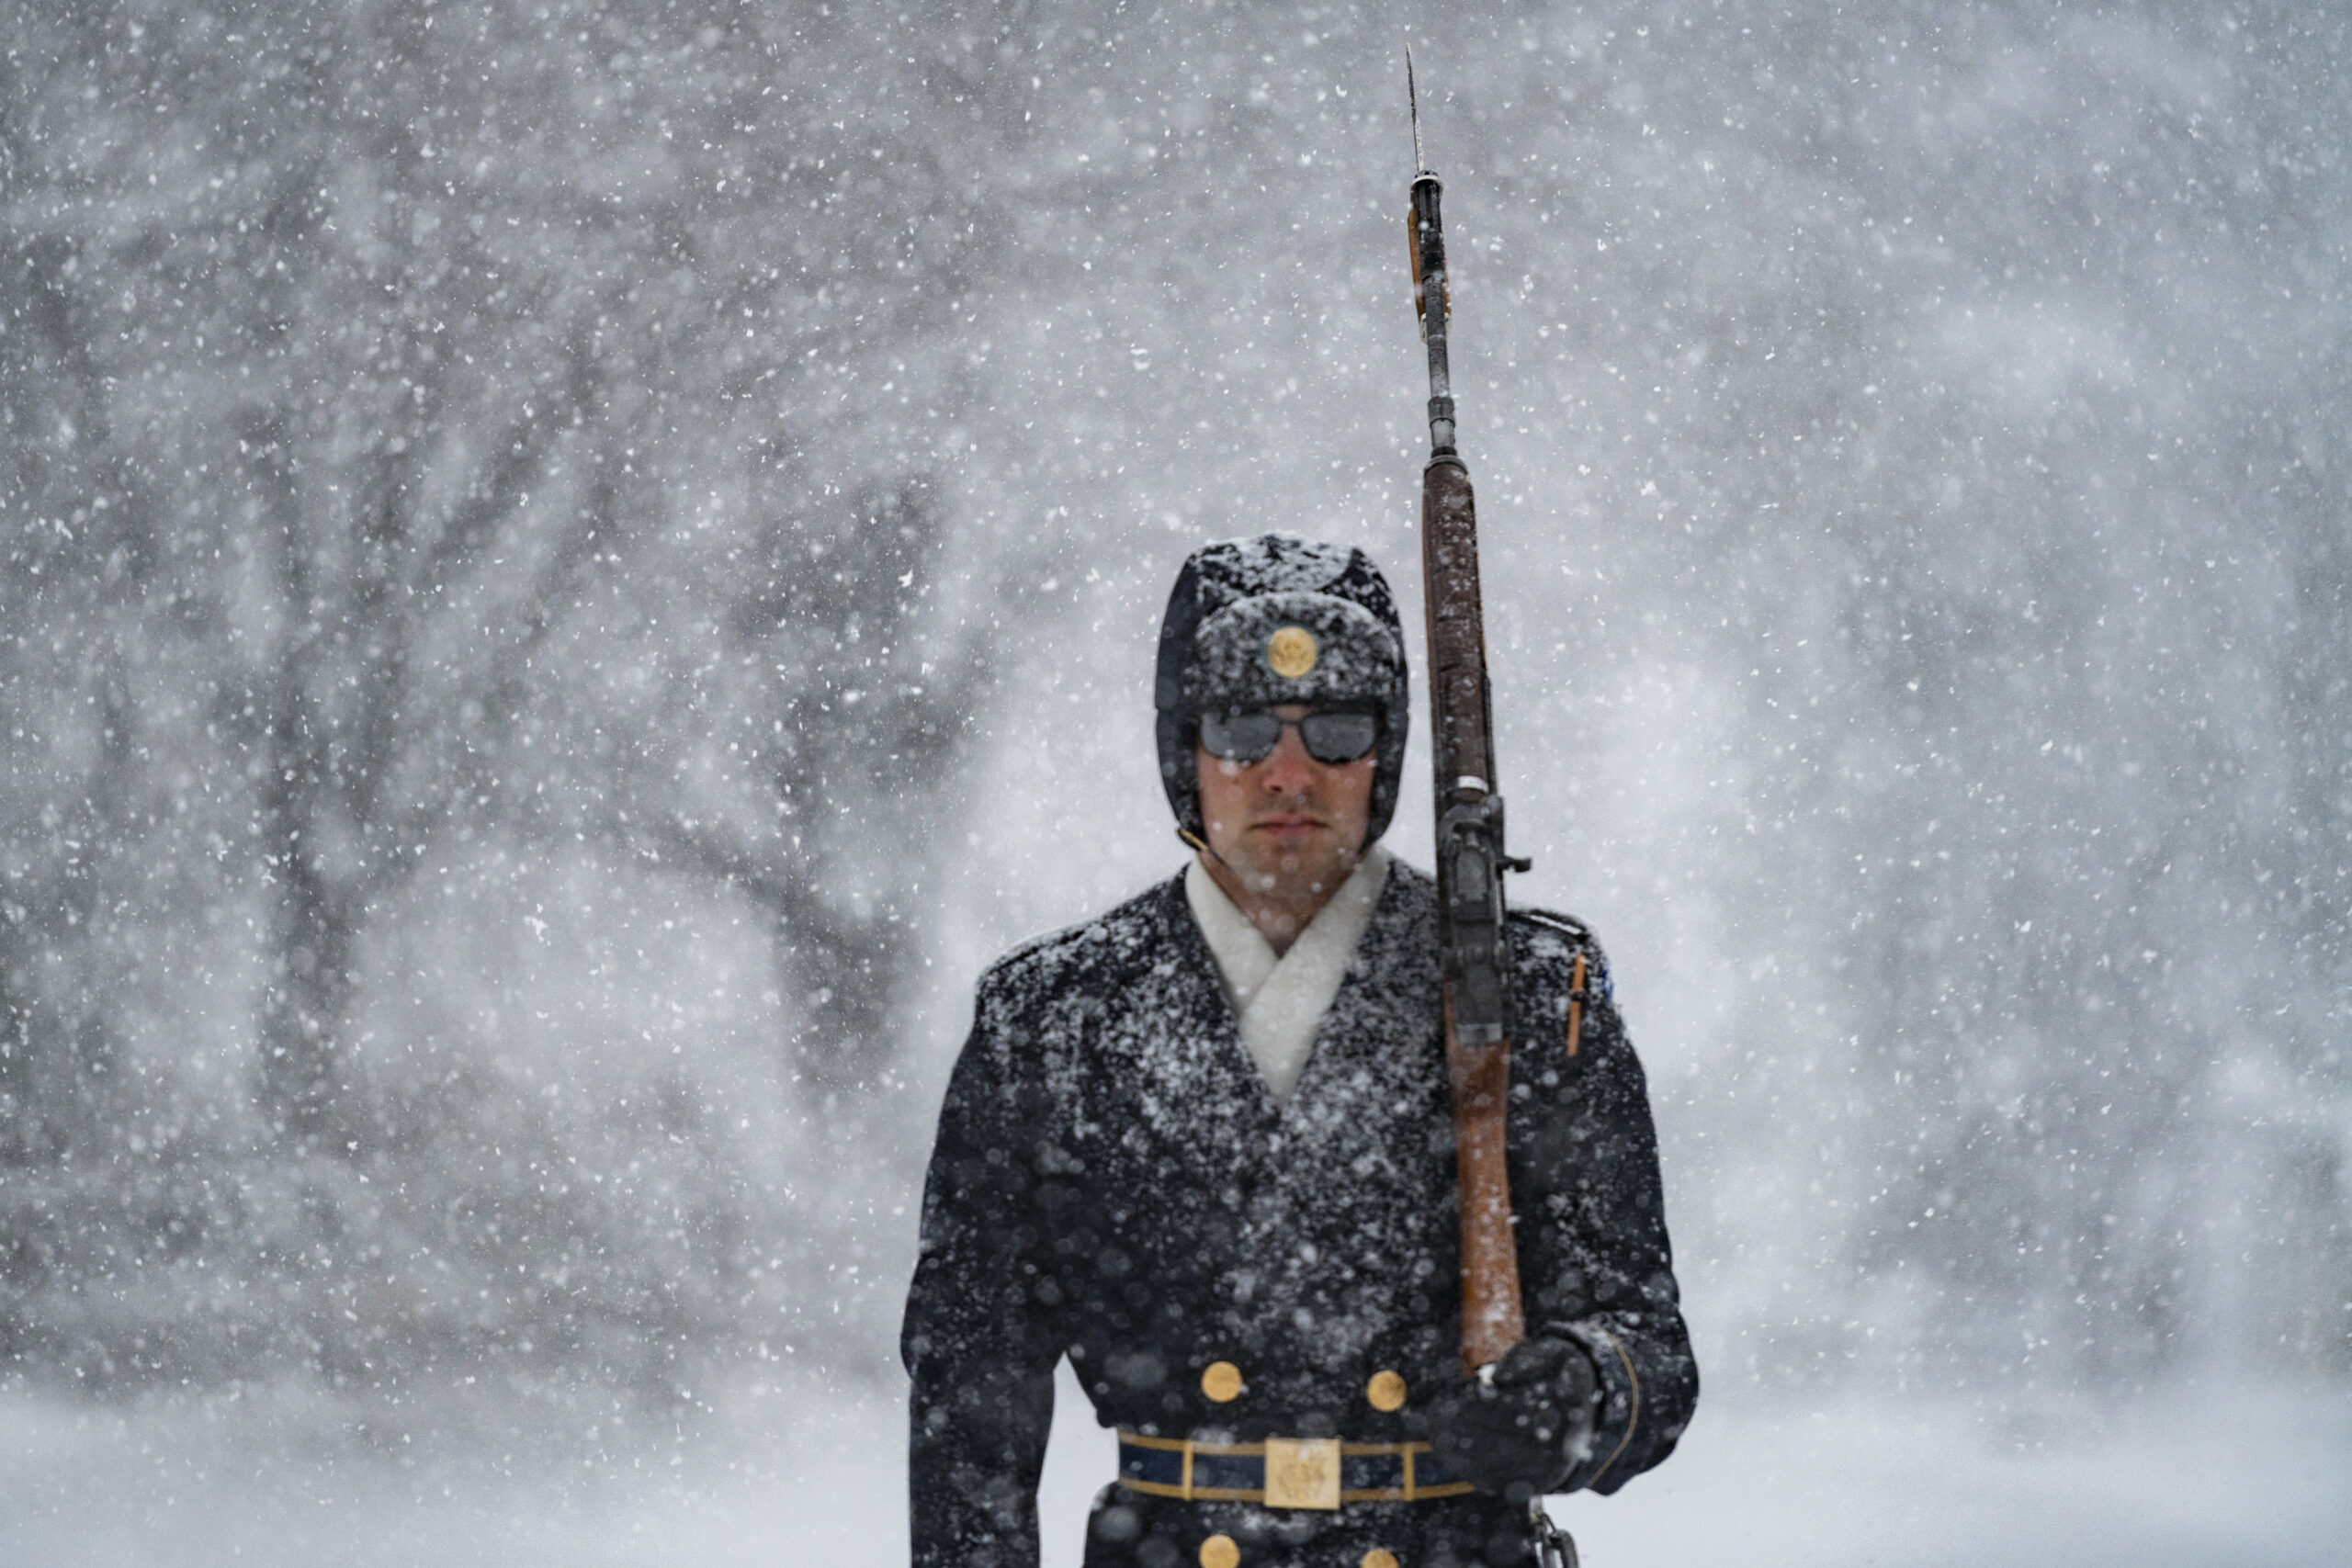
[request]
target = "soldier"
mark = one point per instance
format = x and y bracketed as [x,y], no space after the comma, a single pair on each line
[1201,1146]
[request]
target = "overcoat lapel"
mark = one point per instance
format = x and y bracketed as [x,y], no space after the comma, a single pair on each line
[1377,1046]
[1196,1088]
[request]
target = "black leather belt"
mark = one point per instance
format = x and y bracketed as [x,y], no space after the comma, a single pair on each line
[1284,1472]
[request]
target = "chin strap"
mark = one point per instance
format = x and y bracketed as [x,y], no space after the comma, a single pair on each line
[1194,841]
[1198,842]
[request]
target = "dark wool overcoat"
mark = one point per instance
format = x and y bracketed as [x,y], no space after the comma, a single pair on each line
[1112,1182]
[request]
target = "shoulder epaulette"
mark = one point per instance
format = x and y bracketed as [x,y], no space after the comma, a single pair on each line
[1079,942]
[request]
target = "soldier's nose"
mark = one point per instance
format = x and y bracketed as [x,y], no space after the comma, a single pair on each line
[1288,768]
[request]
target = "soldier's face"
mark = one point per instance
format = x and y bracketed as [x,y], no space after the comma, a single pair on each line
[1289,827]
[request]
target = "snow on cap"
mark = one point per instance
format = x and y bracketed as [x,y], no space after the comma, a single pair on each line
[1291,647]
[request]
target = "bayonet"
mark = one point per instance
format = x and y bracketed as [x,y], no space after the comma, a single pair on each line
[1413,104]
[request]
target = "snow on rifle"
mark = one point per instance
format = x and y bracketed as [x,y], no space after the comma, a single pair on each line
[1470,855]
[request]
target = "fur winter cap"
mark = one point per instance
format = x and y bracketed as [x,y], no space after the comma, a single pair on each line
[1258,623]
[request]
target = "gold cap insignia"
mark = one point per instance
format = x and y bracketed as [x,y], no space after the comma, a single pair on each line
[1291,652]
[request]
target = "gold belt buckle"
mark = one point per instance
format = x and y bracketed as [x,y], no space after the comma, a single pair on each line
[1302,1473]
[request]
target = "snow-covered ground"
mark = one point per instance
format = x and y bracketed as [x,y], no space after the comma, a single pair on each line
[786,1472]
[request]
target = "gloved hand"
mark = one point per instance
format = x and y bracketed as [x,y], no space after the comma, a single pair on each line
[1519,1432]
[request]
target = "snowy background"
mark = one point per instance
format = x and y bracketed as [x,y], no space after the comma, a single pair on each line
[572,571]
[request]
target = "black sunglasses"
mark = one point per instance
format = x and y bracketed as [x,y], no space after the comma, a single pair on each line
[1252,737]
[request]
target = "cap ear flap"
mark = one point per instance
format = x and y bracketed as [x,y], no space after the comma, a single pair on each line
[1388,773]
[1178,775]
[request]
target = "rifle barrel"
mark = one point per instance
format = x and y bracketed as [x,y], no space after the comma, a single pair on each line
[1433,299]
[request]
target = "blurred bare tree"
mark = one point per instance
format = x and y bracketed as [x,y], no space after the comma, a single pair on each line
[414,372]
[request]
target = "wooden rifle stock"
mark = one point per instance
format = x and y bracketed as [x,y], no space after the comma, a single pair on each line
[1492,1321]
[1469,886]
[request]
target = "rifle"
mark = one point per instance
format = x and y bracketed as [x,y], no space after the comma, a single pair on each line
[1470,858]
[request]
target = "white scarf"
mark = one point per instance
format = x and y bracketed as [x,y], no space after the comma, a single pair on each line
[1281,1001]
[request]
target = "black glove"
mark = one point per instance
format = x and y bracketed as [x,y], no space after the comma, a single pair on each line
[1516,1433]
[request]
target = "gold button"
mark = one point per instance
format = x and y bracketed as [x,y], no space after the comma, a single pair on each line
[1386,1391]
[1379,1558]
[1221,1380]
[1218,1551]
